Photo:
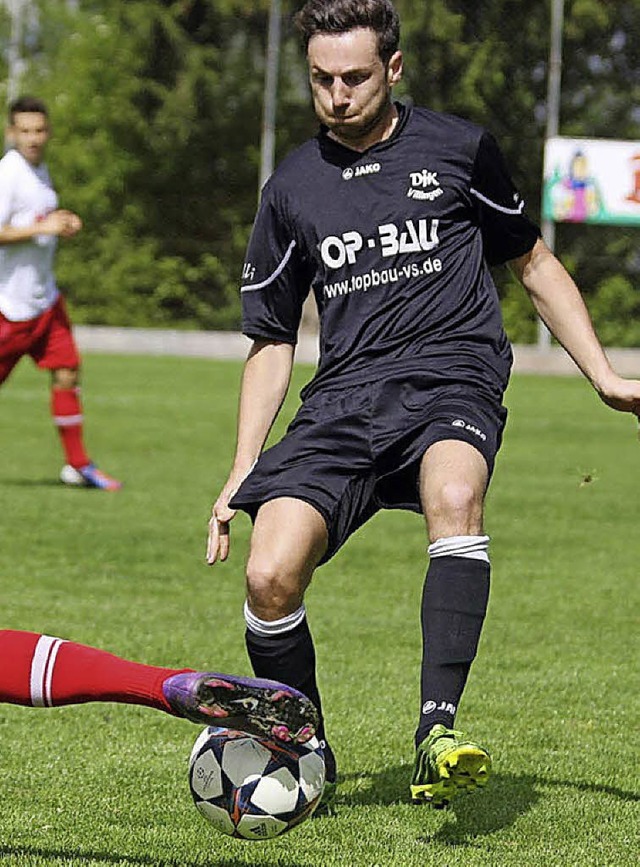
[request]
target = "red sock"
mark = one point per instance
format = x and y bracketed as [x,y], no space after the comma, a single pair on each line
[41,671]
[67,417]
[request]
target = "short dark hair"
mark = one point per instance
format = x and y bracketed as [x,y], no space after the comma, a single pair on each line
[27,104]
[340,16]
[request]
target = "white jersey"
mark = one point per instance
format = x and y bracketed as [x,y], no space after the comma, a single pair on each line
[27,282]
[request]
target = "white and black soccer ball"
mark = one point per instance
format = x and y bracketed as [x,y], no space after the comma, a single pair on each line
[253,787]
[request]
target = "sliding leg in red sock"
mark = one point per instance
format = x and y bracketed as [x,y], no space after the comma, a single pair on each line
[43,671]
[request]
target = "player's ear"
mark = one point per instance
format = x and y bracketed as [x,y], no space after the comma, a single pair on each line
[8,135]
[394,68]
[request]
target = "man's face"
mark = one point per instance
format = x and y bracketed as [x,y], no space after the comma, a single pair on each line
[29,134]
[350,84]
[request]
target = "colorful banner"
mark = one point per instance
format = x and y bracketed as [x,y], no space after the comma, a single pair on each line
[591,181]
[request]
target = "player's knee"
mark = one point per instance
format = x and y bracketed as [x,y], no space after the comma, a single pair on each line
[65,377]
[456,497]
[272,590]
[458,506]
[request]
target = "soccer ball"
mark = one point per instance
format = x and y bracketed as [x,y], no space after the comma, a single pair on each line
[252,787]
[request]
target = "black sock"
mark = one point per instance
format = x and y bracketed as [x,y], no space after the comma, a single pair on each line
[290,658]
[454,603]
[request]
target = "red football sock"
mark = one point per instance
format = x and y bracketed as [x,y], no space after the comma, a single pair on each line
[67,417]
[41,671]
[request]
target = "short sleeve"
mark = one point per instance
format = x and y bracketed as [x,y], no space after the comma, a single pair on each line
[506,230]
[275,281]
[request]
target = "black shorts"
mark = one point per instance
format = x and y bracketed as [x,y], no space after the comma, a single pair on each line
[352,452]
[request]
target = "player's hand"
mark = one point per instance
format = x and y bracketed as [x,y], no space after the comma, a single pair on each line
[71,224]
[623,395]
[221,517]
[63,223]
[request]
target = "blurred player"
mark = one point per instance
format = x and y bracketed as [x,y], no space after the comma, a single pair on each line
[392,215]
[33,318]
[42,671]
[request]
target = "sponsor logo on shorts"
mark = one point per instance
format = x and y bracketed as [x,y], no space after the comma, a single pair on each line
[471,428]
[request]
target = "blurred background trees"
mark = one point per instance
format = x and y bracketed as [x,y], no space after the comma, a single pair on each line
[156,107]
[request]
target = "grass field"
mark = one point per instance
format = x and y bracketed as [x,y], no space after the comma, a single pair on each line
[554,691]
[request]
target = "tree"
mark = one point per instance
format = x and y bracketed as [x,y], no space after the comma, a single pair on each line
[157,105]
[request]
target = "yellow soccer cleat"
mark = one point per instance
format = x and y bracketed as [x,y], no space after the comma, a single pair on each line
[447,763]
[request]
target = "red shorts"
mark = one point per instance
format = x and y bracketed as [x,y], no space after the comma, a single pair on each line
[47,339]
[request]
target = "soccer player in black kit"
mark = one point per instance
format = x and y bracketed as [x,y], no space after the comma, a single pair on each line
[392,216]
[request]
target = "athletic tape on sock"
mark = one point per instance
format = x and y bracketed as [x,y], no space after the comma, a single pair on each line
[267,628]
[469,547]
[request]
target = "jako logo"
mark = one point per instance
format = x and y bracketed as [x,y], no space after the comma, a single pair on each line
[420,184]
[429,707]
[469,427]
[368,169]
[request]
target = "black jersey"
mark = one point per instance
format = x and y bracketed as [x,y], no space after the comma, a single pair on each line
[396,244]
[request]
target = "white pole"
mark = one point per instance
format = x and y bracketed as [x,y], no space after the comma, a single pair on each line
[270,102]
[554,84]
[17,10]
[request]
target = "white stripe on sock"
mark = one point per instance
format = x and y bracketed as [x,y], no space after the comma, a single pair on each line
[42,665]
[67,420]
[469,547]
[273,627]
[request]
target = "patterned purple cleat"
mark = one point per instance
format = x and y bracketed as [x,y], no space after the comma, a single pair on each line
[265,707]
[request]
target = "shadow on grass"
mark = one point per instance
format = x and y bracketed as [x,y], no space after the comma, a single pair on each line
[47,482]
[480,813]
[53,856]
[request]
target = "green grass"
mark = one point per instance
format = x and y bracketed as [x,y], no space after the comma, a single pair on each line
[552,692]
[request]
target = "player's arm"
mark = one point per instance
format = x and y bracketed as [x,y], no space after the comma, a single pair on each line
[275,281]
[559,304]
[265,381]
[62,223]
[17,234]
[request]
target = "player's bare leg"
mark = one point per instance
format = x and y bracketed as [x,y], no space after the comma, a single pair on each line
[288,541]
[453,482]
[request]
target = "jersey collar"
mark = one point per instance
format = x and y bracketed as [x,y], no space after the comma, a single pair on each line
[340,151]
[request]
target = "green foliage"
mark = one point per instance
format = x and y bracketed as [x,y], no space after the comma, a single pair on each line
[157,112]
[139,153]
[615,306]
[551,692]
[520,320]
